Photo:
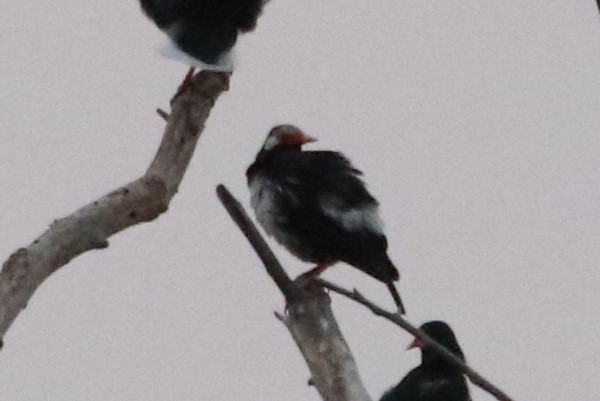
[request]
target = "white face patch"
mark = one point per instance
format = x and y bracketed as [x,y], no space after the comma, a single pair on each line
[365,218]
[270,142]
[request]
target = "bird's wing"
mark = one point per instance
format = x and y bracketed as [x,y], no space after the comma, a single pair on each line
[163,12]
[405,390]
[336,187]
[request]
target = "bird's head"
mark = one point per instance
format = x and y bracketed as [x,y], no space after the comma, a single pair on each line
[443,334]
[286,136]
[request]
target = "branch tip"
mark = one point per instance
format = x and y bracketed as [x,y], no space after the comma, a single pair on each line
[101,244]
[165,116]
[282,318]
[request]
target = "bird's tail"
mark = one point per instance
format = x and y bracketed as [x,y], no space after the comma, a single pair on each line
[382,268]
[396,297]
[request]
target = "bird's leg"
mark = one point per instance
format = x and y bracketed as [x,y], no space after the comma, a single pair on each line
[305,279]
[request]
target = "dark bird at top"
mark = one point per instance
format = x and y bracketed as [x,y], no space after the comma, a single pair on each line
[203,31]
[435,379]
[316,205]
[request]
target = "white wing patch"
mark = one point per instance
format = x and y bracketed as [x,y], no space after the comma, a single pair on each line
[169,49]
[364,218]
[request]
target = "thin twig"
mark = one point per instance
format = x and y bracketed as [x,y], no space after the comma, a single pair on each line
[274,268]
[397,319]
[163,114]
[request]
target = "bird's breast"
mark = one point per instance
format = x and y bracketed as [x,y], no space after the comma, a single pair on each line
[262,200]
[429,387]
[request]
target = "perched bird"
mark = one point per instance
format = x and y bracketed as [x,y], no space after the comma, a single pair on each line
[203,31]
[435,379]
[316,205]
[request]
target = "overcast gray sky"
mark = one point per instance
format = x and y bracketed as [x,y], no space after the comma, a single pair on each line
[476,126]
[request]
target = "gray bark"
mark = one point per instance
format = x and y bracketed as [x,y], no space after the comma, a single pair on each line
[309,319]
[318,337]
[140,201]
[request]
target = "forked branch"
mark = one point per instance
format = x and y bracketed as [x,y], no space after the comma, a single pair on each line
[313,326]
[309,320]
[272,265]
[397,319]
[139,201]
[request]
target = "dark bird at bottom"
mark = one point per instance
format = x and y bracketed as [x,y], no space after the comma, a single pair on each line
[316,205]
[203,31]
[435,379]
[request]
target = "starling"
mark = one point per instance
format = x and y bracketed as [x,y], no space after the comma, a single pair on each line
[203,31]
[435,379]
[316,205]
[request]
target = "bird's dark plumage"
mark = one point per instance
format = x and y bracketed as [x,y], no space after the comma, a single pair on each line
[317,206]
[204,29]
[435,379]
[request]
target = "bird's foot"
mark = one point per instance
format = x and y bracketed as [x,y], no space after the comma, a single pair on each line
[304,280]
[307,279]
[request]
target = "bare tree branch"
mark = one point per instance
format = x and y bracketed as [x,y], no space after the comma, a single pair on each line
[309,319]
[319,338]
[272,265]
[397,319]
[314,328]
[139,201]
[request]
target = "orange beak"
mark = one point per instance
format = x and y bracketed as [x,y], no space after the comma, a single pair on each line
[302,138]
[299,138]
[416,343]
